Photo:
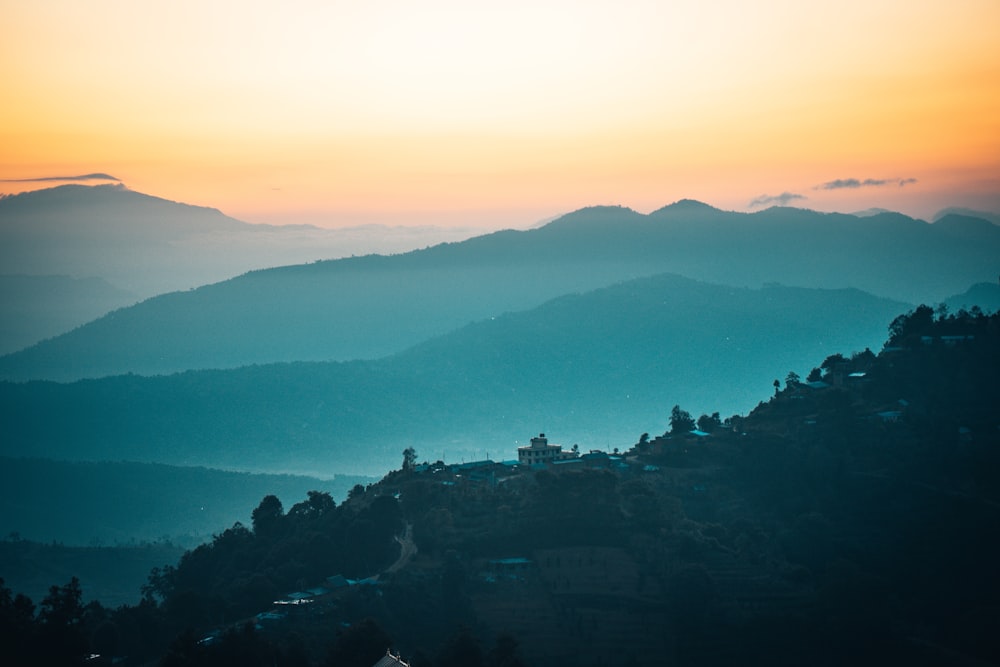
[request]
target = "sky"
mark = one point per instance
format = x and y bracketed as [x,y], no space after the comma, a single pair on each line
[501,114]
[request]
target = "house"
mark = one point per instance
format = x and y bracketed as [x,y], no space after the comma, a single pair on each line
[817,384]
[390,660]
[540,451]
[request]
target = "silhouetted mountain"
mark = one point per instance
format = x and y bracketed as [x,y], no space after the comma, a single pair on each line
[146,246]
[114,575]
[986,296]
[368,307]
[869,212]
[589,366]
[33,308]
[969,212]
[108,503]
[967,227]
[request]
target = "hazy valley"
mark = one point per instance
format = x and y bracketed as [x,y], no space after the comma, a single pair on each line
[72,253]
[147,431]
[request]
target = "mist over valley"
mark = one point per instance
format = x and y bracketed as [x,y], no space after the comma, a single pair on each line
[750,414]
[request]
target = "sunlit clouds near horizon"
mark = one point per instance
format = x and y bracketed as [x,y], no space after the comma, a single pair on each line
[503,113]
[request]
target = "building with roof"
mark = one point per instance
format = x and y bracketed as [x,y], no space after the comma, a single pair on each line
[540,451]
[390,660]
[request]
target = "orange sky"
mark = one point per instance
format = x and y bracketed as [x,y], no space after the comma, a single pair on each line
[500,114]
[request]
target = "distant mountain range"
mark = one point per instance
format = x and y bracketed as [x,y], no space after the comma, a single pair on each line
[121,503]
[33,308]
[143,246]
[968,212]
[368,307]
[986,296]
[587,368]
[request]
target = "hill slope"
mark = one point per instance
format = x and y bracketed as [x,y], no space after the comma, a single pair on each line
[34,307]
[146,245]
[820,529]
[586,367]
[117,503]
[368,307]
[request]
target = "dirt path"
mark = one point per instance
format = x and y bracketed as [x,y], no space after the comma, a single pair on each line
[407,550]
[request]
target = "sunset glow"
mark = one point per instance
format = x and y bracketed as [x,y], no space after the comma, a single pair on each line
[501,114]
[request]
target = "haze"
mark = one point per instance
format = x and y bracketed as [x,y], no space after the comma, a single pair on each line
[499,115]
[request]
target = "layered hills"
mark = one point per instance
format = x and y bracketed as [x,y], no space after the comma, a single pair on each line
[846,520]
[36,307]
[142,246]
[372,306]
[590,367]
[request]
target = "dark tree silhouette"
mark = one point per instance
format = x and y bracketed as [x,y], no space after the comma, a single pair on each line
[60,621]
[915,323]
[317,504]
[409,459]
[360,645]
[462,650]
[267,515]
[681,421]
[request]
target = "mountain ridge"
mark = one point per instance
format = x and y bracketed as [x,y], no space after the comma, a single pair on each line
[148,245]
[370,306]
[584,364]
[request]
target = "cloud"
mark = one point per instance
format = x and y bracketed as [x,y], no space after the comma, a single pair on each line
[775,200]
[852,183]
[42,179]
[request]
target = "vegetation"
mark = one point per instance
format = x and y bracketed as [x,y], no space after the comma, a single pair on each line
[119,503]
[570,364]
[324,310]
[850,520]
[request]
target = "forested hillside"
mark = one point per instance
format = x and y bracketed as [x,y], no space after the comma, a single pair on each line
[850,518]
[588,366]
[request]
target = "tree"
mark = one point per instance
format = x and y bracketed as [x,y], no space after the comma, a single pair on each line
[409,459]
[317,504]
[815,375]
[832,361]
[504,653]
[462,650]
[360,645]
[60,619]
[709,423]
[267,515]
[17,617]
[681,421]
[915,323]
[863,360]
[777,386]
[792,379]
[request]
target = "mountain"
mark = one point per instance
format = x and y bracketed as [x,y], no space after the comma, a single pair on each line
[145,245]
[587,367]
[984,295]
[106,503]
[368,307]
[992,217]
[850,520]
[33,308]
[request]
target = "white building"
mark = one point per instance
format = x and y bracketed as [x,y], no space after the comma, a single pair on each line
[540,451]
